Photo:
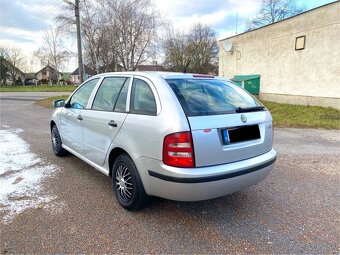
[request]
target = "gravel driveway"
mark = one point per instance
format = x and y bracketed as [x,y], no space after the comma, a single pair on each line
[295,210]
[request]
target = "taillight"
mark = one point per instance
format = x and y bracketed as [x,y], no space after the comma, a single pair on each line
[178,150]
[203,76]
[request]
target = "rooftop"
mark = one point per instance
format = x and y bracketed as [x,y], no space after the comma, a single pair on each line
[164,75]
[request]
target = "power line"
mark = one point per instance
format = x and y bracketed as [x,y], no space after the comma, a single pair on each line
[32,17]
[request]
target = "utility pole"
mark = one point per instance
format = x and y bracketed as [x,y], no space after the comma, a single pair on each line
[80,55]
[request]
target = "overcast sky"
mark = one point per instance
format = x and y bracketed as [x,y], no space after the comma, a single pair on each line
[22,21]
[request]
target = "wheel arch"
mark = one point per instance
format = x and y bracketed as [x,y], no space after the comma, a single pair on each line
[52,123]
[115,152]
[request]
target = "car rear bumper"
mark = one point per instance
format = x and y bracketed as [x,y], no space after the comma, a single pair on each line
[194,184]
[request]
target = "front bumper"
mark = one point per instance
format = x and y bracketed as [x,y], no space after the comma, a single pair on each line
[194,184]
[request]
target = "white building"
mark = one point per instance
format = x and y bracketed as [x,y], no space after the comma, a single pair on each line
[88,72]
[298,58]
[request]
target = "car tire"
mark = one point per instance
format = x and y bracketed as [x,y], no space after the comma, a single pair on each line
[57,143]
[127,184]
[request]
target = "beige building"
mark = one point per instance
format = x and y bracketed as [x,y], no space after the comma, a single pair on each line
[298,58]
[49,75]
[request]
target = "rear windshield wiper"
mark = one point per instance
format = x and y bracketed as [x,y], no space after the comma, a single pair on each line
[250,109]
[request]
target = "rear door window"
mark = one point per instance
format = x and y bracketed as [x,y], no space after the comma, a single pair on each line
[210,97]
[142,98]
[108,92]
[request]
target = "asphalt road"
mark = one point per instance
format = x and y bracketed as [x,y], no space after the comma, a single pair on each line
[295,210]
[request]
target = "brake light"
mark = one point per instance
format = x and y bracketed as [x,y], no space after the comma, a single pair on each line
[203,76]
[178,150]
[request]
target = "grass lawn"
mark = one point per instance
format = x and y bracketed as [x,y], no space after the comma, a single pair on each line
[40,88]
[284,115]
[47,102]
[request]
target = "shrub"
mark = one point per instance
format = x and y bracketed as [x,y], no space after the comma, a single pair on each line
[18,81]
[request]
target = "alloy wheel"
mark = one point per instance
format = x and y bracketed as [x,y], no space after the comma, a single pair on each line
[124,183]
[55,140]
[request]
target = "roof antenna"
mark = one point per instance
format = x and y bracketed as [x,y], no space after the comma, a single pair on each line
[236,22]
[186,66]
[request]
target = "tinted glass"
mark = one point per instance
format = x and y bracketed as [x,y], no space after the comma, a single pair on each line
[121,101]
[210,97]
[82,95]
[108,92]
[142,98]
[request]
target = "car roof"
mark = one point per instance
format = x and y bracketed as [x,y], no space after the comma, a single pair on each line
[164,75]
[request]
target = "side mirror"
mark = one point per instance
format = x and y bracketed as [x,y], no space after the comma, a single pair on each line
[58,103]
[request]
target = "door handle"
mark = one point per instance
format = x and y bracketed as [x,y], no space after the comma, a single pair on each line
[80,117]
[112,123]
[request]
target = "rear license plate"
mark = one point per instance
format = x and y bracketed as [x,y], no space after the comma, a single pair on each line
[240,134]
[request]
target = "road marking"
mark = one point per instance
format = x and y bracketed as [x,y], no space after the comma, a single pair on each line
[21,176]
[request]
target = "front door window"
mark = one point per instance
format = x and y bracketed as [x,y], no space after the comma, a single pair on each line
[82,95]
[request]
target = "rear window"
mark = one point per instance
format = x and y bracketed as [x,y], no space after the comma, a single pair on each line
[210,97]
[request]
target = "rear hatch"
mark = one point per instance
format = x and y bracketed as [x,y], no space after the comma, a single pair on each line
[227,124]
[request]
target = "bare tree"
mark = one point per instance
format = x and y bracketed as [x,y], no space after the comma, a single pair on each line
[176,51]
[14,59]
[66,19]
[117,34]
[3,71]
[203,49]
[52,51]
[4,51]
[195,51]
[272,11]
[3,65]
[134,25]
[97,37]
[92,33]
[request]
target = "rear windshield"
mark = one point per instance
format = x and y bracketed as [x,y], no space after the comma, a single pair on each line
[210,97]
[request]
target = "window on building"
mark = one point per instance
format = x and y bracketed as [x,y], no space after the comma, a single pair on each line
[300,42]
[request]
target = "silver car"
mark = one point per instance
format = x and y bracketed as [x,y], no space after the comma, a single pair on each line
[183,137]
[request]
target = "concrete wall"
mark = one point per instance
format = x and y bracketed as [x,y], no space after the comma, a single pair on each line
[310,76]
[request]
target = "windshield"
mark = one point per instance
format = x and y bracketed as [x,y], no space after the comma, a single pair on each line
[210,97]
